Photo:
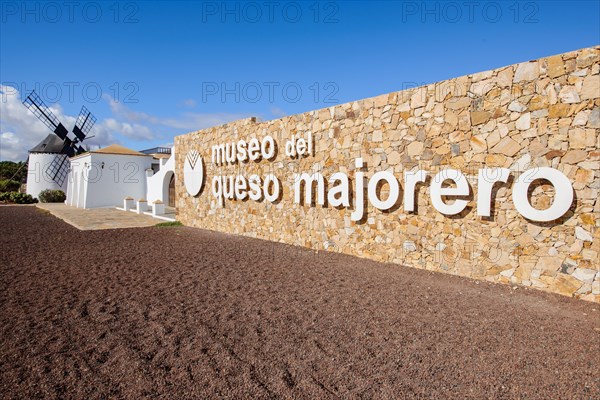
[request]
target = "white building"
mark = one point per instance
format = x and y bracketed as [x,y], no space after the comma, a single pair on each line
[47,167]
[105,177]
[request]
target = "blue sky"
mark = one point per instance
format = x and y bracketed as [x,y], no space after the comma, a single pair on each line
[152,70]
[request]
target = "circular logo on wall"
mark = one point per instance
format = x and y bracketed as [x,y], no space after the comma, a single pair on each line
[193,173]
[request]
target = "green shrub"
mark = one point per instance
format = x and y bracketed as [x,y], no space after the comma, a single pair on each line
[21,198]
[13,170]
[52,196]
[5,197]
[7,185]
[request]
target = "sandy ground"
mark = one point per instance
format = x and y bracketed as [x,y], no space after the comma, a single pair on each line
[186,313]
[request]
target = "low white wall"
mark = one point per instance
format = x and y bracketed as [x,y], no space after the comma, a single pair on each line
[38,179]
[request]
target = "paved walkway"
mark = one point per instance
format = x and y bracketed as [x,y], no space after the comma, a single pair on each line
[98,218]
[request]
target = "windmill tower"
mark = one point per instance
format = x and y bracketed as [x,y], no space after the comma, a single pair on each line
[49,164]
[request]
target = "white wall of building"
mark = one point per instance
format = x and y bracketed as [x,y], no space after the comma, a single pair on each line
[37,178]
[104,180]
[158,183]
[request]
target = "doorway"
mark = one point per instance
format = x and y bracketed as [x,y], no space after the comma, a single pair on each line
[171,202]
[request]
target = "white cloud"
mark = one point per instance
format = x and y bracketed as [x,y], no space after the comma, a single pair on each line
[20,130]
[10,146]
[278,112]
[120,110]
[185,122]
[194,121]
[132,131]
[189,103]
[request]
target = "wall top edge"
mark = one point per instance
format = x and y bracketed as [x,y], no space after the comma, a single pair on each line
[385,96]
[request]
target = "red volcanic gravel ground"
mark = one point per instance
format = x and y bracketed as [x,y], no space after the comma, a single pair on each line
[187,313]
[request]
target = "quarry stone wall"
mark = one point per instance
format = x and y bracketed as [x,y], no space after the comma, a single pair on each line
[541,113]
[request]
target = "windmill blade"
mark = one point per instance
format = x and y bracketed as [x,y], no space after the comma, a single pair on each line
[40,110]
[68,148]
[83,125]
[58,170]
